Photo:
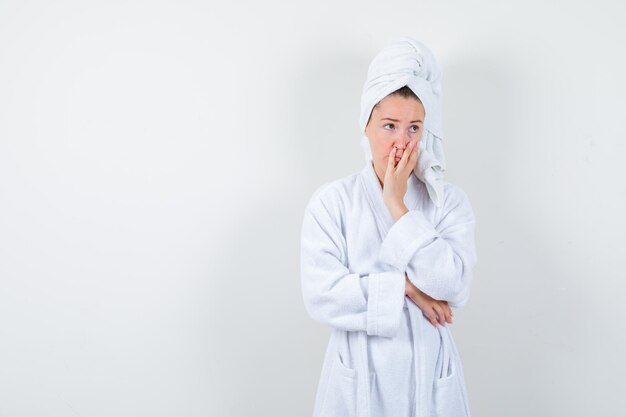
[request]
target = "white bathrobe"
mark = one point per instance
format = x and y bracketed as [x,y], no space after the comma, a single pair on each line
[384,357]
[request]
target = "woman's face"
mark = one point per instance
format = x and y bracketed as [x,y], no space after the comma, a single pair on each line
[395,121]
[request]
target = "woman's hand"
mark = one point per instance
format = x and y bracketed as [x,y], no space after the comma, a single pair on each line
[396,177]
[433,309]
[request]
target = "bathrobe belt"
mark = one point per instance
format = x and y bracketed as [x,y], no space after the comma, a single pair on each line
[421,403]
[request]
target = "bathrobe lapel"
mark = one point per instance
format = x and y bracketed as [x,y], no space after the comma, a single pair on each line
[384,221]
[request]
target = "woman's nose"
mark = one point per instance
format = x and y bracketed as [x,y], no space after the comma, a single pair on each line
[402,139]
[401,144]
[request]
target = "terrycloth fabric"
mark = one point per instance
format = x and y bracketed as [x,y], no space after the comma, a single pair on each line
[406,61]
[384,357]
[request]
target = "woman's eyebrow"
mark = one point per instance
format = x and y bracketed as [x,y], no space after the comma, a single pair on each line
[394,120]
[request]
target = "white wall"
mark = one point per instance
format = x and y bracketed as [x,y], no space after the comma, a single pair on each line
[156,157]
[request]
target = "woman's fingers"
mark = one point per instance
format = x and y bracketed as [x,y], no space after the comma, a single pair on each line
[436,311]
[409,157]
[414,153]
[405,156]
[440,313]
[431,316]
[392,157]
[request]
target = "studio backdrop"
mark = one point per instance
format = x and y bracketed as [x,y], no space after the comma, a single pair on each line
[156,159]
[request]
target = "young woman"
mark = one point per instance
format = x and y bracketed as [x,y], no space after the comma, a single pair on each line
[388,252]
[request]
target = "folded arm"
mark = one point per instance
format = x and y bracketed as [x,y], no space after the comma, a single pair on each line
[438,259]
[334,296]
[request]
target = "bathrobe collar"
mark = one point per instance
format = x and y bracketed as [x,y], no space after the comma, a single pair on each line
[374,193]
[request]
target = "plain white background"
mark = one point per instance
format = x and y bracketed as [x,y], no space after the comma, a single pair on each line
[156,158]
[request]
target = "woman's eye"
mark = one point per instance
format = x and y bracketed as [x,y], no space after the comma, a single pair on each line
[416,127]
[388,124]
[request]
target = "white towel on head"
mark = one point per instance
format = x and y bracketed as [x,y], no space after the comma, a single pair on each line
[406,61]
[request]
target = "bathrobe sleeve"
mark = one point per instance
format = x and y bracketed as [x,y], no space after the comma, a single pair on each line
[438,259]
[332,295]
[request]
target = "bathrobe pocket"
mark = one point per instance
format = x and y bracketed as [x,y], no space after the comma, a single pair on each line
[447,396]
[340,397]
